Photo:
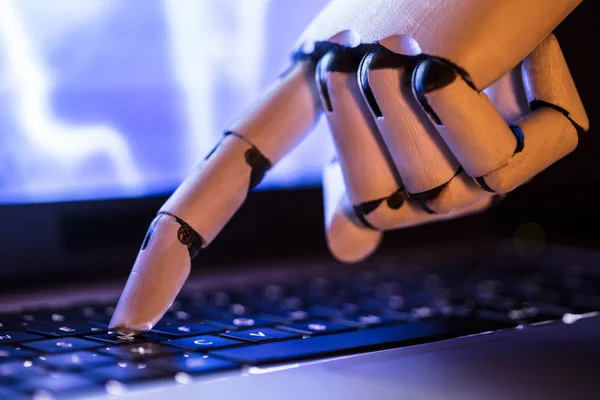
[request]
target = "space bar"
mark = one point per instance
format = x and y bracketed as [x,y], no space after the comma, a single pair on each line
[354,342]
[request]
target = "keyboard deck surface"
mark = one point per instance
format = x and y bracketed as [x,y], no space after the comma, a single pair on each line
[69,351]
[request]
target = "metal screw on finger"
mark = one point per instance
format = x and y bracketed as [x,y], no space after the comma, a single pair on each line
[185,235]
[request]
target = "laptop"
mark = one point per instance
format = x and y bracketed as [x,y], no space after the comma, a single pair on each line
[107,105]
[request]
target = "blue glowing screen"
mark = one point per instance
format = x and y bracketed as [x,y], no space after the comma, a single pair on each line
[121,98]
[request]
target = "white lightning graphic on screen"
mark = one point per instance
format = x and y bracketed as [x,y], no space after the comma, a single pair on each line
[211,39]
[69,146]
[226,41]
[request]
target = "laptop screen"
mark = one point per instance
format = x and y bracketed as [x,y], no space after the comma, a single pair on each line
[104,99]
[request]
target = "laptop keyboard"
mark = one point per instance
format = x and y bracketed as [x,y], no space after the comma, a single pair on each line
[69,351]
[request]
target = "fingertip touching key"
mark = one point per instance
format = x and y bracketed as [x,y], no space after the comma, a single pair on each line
[200,207]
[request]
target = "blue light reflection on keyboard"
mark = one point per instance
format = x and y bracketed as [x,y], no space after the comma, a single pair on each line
[110,98]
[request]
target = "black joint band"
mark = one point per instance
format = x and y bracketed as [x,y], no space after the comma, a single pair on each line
[287,71]
[434,73]
[536,104]
[335,58]
[347,59]
[187,236]
[368,207]
[255,160]
[319,50]
[259,164]
[518,132]
[421,88]
[386,59]
[363,218]
[425,197]
[363,77]
[150,231]
[483,184]
[237,135]
[209,155]
[343,59]
[396,199]
[321,79]
[393,201]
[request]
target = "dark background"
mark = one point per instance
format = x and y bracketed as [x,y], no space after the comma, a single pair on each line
[99,239]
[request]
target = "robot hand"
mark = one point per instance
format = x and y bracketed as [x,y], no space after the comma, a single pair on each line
[435,108]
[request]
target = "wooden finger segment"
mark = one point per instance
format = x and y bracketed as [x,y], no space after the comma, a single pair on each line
[366,168]
[467,120]
[413,214]
[459,192]
[477,207]
[386,217]
[548,82]
[547,137]
[420,155]
[279,120]
[347,238]
[216,188]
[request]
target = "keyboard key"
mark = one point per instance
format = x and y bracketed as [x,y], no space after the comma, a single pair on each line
[7,337]
[117,338]
[61,345]
[185,329]
[352,342]
[240,322]
[79,360]
[261,335]
[126,372]
[65,329]
[202,343]
[139,350]
[58,384]
[194,364]
[315,327]
[7,353]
